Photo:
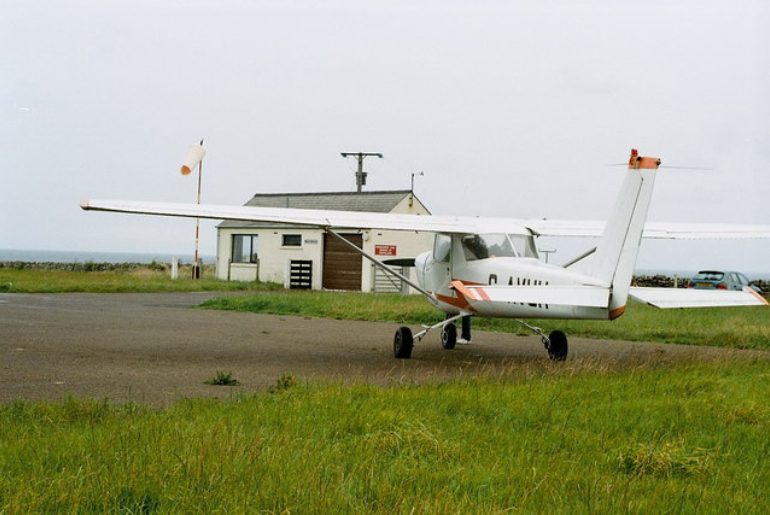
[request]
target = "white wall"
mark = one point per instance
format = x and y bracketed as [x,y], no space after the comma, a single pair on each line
[273,257]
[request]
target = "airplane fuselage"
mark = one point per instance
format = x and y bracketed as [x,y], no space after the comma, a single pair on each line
[435,275]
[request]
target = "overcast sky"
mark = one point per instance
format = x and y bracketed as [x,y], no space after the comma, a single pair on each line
[509,108]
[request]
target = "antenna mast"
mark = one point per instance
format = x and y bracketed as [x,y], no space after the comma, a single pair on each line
[360,173]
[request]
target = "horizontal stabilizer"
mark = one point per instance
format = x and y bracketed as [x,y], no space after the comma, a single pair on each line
[666,298]
[583,296]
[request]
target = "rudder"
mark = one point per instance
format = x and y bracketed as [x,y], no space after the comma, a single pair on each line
[618,246]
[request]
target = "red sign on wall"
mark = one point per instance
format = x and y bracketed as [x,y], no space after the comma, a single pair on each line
[384,250]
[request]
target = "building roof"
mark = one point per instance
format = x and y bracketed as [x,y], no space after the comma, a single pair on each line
[371,201]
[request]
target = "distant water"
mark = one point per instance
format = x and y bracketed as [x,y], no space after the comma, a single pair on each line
[73,256]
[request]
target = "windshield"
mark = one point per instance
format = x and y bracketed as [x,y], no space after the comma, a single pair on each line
[483,246]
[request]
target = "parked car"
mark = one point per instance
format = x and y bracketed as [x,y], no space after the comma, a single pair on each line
[714,279]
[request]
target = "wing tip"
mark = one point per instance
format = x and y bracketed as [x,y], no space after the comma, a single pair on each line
[762,300]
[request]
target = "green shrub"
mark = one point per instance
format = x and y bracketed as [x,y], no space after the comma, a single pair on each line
[283,383]
[222,379]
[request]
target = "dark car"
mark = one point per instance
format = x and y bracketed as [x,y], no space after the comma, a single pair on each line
[714,279]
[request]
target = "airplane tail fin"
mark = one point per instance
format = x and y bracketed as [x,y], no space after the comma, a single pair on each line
[618,246]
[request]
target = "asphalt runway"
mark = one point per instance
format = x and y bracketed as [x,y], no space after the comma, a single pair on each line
[158,348]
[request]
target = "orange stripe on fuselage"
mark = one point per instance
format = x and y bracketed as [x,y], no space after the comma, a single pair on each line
[465,293]
[458,302]
[615,313]
[459,286]
[468,283]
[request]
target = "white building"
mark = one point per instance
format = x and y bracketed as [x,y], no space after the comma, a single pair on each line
[301,257]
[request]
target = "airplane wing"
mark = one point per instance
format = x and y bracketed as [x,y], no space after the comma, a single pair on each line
[317,217]
[406,222]
[667,298]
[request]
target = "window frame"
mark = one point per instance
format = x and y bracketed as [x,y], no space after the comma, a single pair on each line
[291,245]
[253,240]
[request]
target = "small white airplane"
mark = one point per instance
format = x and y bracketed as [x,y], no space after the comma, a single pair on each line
[489,267]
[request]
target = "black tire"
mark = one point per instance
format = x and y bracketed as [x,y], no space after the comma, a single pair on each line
[558,348]
[449,336]
[403,343]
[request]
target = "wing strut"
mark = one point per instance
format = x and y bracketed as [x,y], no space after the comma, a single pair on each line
[579,258]
[379,264]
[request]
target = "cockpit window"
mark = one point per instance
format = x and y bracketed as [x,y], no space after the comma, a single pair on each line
[441,245]
[483,246]
[525,245]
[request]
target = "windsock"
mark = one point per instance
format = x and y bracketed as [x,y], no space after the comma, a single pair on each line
[194,156]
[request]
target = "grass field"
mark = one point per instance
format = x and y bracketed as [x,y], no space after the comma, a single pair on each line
[744,328]
[575,437]
[582,436]
[143,279]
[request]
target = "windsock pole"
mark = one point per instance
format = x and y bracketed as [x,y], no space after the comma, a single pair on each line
[195,156]
[196,270]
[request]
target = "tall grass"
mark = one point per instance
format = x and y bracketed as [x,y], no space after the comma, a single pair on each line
[574,438]
[744,327]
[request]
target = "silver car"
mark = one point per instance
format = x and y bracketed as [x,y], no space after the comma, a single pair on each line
[715,279]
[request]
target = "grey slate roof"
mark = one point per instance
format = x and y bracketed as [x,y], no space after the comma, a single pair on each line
[372,201]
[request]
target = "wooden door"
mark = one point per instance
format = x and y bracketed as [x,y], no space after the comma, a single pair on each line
[342,265]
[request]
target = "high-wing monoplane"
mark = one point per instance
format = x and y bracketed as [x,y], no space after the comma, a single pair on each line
[489,267]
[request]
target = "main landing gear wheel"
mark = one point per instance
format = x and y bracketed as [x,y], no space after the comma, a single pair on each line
[403,343]
[449,336]
[557,348]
